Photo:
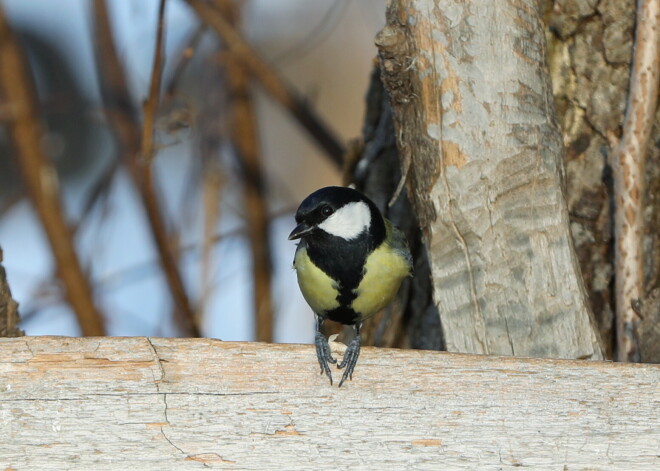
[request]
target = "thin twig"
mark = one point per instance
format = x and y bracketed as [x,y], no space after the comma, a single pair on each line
[137,272]
[628,162]
[211,137]
[40,179]
[123,117]
[270,80]
[175,110]
[245,141]
[212,183]
[151,103]
[317,33]
[98,192]
[184,59]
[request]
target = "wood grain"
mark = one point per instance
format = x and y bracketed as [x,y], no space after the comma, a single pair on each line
[154,404]
[477,133]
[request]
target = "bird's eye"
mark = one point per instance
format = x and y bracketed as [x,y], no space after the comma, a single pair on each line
[327,211]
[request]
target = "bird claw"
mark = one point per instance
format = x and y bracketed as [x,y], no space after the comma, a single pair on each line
[324,355]
[350,359]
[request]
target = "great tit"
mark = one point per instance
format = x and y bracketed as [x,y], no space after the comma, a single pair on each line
[350,263]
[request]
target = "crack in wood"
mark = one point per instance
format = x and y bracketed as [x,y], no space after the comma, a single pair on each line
[85,397]
[159,361]
[29,347]
[162,432]
[434,408]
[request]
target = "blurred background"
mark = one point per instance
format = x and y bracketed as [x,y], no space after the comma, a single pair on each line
[228,166]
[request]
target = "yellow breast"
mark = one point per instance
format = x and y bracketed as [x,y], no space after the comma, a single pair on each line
[385,269]
[319,290]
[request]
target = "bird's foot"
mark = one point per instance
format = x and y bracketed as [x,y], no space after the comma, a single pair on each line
[350,359]
[324,355]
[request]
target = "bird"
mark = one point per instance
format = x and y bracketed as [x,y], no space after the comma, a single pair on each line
[350,263]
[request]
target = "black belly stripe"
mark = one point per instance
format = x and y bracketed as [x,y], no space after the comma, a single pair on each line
[344,315]
[343,261]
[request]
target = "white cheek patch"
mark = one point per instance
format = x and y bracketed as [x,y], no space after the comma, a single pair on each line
[349,221]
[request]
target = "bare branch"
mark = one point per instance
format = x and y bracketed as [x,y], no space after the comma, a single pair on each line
[212,184]
[270,80]
[150,105]
[211,137]
[628,166]
[41,180]
[184,59]
[123,117]
[245,140]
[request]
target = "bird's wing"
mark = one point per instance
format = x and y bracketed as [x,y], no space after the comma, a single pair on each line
[398,242]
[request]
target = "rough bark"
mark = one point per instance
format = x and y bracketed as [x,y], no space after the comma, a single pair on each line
[9,318]
[628,161]
[482,153]
[154,404]
[589,54]
[590,46]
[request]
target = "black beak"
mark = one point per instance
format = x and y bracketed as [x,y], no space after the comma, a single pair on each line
[300,230]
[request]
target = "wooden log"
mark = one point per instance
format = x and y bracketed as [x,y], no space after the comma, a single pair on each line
[154,404]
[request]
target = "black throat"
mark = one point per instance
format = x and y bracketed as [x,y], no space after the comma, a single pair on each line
[343,260]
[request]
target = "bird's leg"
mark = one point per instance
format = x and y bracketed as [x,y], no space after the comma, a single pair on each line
[323,350]
[351,356]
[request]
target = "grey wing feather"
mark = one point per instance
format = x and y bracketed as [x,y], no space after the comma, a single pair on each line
[399,242]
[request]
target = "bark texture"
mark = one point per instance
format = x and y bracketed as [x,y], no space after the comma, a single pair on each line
[628,161]
[161,404]
[482,154]
[9,318]
[590,46]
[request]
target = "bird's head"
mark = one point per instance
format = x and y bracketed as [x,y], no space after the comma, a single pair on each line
[337,211]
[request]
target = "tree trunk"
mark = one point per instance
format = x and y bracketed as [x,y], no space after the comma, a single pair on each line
[590,47]
[482,157]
